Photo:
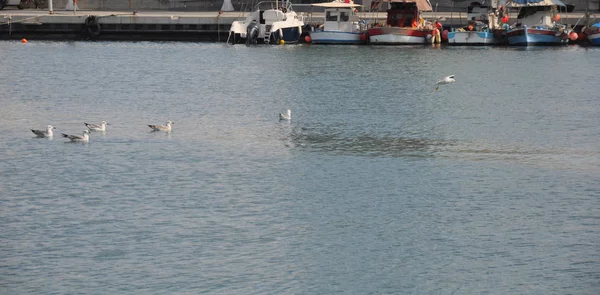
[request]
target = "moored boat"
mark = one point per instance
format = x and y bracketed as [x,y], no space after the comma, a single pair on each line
[481,29]
[593,34]
[404,24]
[272,22]
[537,23]
[480,35]
[341,24]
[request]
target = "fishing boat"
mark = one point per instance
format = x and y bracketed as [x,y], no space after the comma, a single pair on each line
[537,23]
[481,28]
[403,25]
[272,22]
[479,35]
[341,25]
[593,34]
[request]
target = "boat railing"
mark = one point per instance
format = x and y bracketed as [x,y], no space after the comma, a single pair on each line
[266,5]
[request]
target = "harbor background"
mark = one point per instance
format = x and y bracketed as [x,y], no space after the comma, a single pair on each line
[193,20]
[379,184]
[167,25]
[215,5]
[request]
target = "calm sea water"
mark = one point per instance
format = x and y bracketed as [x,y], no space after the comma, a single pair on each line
[378,185]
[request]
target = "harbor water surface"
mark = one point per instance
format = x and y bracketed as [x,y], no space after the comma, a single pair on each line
[378,185]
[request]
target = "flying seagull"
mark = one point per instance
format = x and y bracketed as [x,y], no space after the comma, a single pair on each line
[445,80]
[286,116]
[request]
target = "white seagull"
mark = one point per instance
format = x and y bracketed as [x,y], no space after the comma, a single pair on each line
[166,128]
[286,116]
[94,127]
[41,133]
[445,80]
[77,138]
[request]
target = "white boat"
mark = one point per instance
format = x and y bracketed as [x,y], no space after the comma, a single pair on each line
[272,22]
[341,25]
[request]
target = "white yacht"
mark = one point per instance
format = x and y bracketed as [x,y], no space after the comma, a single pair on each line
[271,22]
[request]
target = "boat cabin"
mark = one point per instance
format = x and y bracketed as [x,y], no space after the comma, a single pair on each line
[403,14]
[406,13]
[340,18]
[536,13]
[535,16]
[477,12]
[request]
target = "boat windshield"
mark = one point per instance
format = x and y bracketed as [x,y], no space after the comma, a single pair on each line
[331,16]
[344,17]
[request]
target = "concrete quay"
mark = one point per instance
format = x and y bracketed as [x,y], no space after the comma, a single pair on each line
[210,26]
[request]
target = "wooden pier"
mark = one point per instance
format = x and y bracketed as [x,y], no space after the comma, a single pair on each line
[161,25]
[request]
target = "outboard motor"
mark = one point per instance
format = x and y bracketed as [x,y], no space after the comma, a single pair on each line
[252,34]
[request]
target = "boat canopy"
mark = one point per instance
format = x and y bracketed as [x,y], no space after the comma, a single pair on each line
[528,3]
[422,5]
[596,25]
[336,5]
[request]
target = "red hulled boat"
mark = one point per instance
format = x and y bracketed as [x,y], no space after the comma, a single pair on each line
[404,24]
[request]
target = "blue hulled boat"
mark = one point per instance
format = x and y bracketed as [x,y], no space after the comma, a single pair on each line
[537,23]
[593,34]
[480,29]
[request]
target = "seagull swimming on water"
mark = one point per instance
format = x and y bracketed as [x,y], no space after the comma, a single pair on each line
[78,138]
[445,80]
[166,128]
[47,133]
[94,127]
[286,116]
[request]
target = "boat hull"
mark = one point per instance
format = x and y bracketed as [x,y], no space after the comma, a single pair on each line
[397,36]
[291,35]
[594,39]
[471,38]
[335,37]
[526,37]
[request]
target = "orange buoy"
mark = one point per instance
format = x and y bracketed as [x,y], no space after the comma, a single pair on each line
[363,37]
[307,39]
[556,17]
[573,36]
[504,19]
[582,36]
[445,34]
[24,41]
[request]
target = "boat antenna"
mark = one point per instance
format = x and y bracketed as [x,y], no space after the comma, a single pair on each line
[451,11]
